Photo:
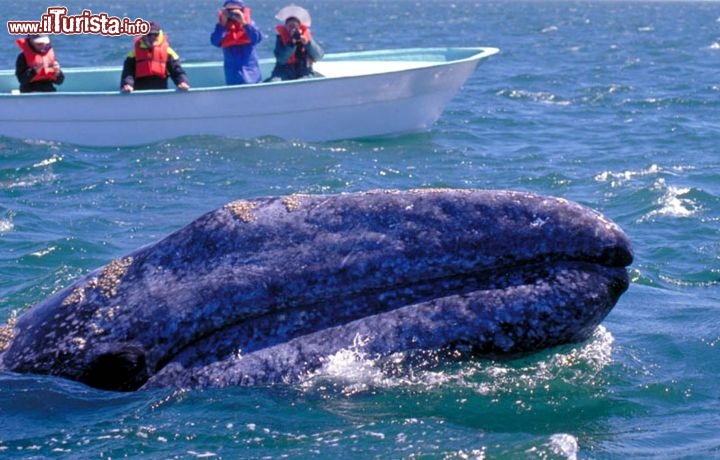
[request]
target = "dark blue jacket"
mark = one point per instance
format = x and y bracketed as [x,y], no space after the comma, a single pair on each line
[241,61]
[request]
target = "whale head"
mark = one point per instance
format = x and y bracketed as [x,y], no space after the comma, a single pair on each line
[261,290]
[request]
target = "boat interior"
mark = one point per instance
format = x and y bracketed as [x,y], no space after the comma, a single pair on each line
[210,74]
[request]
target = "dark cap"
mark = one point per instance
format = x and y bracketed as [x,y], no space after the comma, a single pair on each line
[154,28]
[233,4]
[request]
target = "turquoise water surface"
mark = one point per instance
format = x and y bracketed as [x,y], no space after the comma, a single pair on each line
[611,104]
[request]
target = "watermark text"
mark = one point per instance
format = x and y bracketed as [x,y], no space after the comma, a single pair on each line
[57,21]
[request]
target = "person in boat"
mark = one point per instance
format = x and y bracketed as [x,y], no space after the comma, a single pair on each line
[295,50]
[36,67]
[237,35]
[151,62]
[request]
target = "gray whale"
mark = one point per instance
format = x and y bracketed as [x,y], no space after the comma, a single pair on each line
[260,291]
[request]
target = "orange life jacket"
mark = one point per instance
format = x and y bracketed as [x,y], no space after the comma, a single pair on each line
[34,59]
[235,33]
[151,61]
[287,39]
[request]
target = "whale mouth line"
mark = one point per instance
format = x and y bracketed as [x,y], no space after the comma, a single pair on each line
[223,342]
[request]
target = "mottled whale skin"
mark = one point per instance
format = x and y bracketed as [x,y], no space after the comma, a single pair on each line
[260,291]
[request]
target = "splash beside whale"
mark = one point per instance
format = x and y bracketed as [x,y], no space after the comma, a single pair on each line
[261,291]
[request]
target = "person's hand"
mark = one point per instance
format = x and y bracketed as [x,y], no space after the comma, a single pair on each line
[232,15]
[56,66]
[127,88]
[297,38]
[241,18]
[183,86]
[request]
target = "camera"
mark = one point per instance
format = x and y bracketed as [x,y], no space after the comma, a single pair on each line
[296,35]
[234,14]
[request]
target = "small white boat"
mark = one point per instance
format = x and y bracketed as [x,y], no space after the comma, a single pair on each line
[363,94]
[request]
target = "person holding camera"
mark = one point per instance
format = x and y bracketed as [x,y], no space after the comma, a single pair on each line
[237,35]
[36,67]
[295,50]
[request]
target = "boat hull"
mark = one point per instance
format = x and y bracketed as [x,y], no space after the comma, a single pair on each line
[346,104]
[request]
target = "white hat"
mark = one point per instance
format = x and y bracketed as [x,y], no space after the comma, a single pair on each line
[294,11]
[40,39]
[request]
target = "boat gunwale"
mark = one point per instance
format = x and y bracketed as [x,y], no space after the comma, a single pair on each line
[479,53]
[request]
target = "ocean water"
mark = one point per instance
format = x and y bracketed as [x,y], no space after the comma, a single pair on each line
[611,104]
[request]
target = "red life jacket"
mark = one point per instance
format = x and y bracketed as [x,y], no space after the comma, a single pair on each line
[287,39]
[151,61]
[235,32]
[33,59]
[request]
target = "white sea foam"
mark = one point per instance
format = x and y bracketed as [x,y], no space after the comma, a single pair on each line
[29,181]
[617,179]
[565,445]
[672,202]
[473,454]
[354,371]
[560,445]
[6,226]
[48,161]
[44,252]
[578,363]
[206,454]
[542,97]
